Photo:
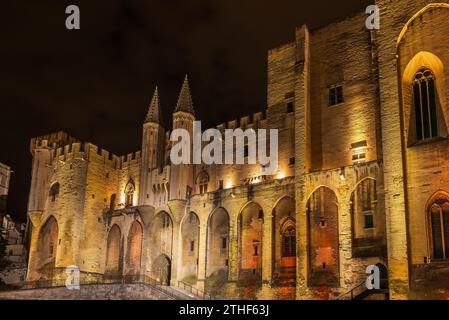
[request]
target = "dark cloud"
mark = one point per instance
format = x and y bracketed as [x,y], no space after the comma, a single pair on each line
[96,83]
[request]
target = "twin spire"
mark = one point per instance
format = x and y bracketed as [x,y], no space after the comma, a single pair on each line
[184,104]
[154,113]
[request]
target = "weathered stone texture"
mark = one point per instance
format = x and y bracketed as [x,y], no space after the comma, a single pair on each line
[393,179]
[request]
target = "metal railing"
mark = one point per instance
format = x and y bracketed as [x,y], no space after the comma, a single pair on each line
[361,289]
[191,289]
[351,294]
[170,292]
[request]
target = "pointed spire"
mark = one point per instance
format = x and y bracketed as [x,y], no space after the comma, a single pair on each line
[185,103]
[154,113]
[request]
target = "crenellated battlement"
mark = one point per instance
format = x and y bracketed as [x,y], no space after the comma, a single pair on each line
[131,158]
[254,121]
[69,151]
[52,140]
[99,154]
[90,151]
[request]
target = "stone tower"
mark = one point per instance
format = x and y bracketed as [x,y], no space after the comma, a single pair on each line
[153,152]
[181,180]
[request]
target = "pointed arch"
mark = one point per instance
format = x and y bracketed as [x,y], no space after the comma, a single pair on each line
[250,241]
[437,217]
[190,236]
[368,222]
[217,263]
[48,247]
[113,250]
[416,16]
[284,240]
[321,186]
[322,212]
[54,191]
[134,248]
[423,98]
[161,236]
[161,269]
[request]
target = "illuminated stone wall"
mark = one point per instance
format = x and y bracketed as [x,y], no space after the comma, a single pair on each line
[378,185]
[413,38]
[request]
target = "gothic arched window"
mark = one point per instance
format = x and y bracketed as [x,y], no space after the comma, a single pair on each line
[202,181]
[54,192]
[129,193]
[439,227]
[289,242]
[425,107]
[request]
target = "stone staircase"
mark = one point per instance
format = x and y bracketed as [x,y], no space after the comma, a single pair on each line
[360,292]
[125,288]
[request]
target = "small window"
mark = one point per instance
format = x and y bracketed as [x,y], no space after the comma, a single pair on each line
[112,203]
[54,192]
[202,180]
[50,247]
[129,193]
[220,187]
[359,157]
[246,151]
[336,95]
[224,243]
[292,161]
[369,221]
[165,222]
[188,191]
[203,188]
[192,246]
[256,249]
[290,107]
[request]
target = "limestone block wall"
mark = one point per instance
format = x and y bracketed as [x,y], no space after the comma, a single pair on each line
[343,182]
[317,143]
[341,54]
[101,183]
[234,201]
[422,45]
[396,16]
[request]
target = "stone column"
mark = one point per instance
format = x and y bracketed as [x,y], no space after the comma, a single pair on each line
[345,240]
[393,160]
[267,256]
[233,251]
[202,252]
[303,160]
[35,227]
[176,256]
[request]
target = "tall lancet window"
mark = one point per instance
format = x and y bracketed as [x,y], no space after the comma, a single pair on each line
[439,227]
[424,101]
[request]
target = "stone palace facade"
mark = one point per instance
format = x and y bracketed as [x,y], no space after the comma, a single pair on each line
[363,178]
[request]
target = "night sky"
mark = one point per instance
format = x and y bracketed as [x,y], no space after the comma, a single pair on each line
[96,83]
